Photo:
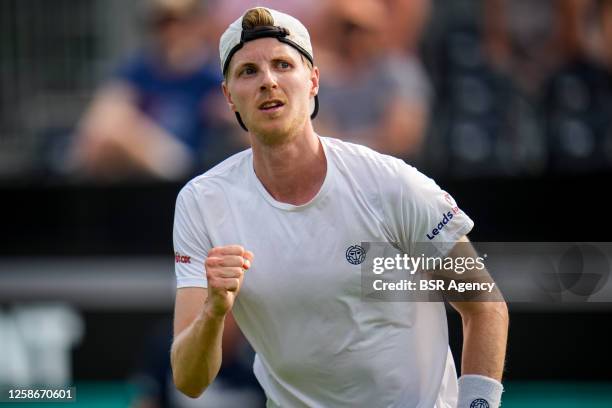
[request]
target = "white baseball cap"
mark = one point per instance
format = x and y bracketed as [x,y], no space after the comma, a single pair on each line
[286,29]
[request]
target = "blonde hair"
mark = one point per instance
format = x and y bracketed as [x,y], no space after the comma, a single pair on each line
[257,17]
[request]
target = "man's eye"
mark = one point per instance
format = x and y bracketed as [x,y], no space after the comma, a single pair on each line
[248,70]
[284,64]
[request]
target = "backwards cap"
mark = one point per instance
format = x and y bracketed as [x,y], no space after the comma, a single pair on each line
[285,28]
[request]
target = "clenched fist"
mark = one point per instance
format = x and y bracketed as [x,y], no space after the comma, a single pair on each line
[225,267]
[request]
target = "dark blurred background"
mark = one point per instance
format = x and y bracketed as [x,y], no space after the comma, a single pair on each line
[108,107]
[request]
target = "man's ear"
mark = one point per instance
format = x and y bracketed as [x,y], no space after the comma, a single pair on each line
[228,96]
[314,78]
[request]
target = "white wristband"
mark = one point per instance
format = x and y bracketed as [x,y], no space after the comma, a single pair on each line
[478,391]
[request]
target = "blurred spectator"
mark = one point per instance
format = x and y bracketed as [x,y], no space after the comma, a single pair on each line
[530,40]
[370,93]
[604,47]
[577,98]
[523,38]
[491,68]
[162,114]
[406,22]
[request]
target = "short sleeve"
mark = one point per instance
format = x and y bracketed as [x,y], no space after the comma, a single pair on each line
[191,242]
[426,219]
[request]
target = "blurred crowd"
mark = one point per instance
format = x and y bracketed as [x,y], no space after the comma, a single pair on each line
[162,115]
[524,87]
[463,88]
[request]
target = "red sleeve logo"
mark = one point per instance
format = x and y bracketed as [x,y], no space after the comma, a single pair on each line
[178,258]
[449,199]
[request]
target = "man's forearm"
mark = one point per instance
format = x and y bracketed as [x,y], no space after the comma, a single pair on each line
[485,334]
[196,355]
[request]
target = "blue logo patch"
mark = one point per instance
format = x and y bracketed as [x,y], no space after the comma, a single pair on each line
[479,403]
[355,254]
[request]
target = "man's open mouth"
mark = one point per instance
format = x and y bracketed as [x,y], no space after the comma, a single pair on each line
[271,105]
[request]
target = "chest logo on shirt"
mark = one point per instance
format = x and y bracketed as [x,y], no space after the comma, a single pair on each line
[479,403]
[355,254]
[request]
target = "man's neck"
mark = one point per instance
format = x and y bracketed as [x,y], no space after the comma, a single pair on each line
[292,172]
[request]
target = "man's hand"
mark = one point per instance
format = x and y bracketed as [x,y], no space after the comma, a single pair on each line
[225,267]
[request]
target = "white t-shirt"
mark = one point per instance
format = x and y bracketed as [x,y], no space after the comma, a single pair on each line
[317,343]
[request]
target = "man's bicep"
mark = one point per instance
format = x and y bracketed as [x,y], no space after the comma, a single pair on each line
[465,250]
[188,305]
[462,248]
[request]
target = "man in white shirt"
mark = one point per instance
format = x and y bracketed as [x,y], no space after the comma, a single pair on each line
[271,235]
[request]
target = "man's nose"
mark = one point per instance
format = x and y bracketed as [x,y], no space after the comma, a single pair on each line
[268,80]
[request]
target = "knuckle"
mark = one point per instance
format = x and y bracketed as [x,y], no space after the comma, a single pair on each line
[225,261]
[232,272]
[232,261]
[211,261]
[228,272]
[232,284]
[237,261]
[238,249]
[213,275]
[221,287]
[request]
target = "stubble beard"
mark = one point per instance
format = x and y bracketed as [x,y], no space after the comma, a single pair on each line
[280,136]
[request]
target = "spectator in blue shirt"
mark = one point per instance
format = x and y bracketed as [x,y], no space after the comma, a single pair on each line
[160,116]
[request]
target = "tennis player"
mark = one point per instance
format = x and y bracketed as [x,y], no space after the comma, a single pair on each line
[272,234]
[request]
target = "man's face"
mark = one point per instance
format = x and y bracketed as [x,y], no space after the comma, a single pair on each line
[271,86]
